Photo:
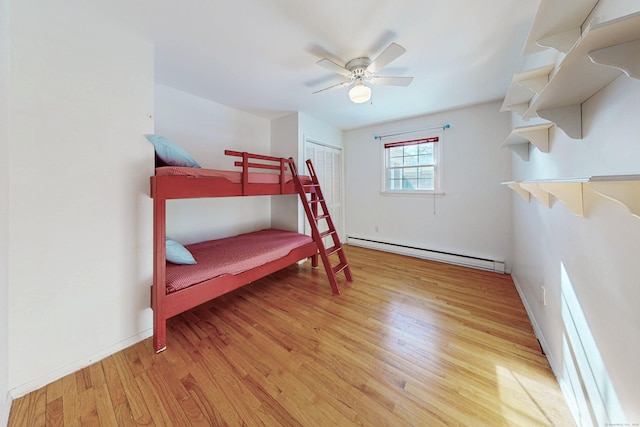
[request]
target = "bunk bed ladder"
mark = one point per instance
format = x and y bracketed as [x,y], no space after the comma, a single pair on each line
[315,215]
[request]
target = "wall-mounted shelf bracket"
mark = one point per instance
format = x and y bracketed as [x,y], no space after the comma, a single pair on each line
[624,190]
[520,138]
[623,57]
[523,87]
[567,192]
[568,118]
[562,42]
[541,195]
[515,186]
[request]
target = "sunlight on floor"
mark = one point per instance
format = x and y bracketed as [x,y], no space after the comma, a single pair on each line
[415,322]
[518,391]
[584,380]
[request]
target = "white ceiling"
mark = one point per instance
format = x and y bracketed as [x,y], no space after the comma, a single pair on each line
[260,55]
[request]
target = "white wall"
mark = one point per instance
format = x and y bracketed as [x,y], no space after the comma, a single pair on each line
[595,257]
[5,399]
[318,131]
[284,143]
[81,97]
[473,217]
[288,134]
[205,129]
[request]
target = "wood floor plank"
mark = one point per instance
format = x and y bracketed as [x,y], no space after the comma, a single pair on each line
[104,405]
[54,390]
[134,398]
[70,400]
[211,396]
[19,408]
[115,388]
[55,413]
[409,342]
[161,407]
[88,409]
[83,379]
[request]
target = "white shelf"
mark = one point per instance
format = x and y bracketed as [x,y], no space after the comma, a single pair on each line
[557,24]
[604,51]
[622,189]
[520,138]
[578,77]
[623,57]
[523,87]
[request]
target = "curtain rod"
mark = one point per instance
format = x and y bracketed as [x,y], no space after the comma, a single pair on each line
[443,127]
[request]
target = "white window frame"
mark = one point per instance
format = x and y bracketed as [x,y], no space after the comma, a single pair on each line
[437,164]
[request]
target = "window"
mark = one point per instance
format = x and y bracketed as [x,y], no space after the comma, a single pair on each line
[411,166]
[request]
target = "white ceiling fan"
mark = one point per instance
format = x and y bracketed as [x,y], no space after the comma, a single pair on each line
[361,72]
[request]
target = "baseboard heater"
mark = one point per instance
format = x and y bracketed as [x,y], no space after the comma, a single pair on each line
[447,257]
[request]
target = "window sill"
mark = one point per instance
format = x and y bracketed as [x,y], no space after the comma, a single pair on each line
[412,193]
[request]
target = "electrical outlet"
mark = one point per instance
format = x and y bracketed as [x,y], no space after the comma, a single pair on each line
[544,296]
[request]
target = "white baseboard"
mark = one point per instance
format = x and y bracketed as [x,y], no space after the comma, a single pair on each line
[536,328]
[42,381]
[449,258]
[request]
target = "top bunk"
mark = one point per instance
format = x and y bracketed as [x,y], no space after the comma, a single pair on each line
[259,175]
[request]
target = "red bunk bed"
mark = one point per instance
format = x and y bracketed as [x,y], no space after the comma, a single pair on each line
[227,264]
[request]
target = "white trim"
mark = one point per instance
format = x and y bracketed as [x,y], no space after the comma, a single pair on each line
[536,328]
[42,381]
[318,142]
[457,259]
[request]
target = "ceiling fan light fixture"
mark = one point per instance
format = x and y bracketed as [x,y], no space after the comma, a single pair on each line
[360,93]
[361,70]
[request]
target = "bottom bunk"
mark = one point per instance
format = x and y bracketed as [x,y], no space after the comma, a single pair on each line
[222,266]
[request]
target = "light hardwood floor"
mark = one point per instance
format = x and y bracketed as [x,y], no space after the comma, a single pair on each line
[409,342]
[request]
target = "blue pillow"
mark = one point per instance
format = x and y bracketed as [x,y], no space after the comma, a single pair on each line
[170,153]
[178,254]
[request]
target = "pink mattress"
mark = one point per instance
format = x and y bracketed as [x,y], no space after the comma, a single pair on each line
[232,255]
[234,177]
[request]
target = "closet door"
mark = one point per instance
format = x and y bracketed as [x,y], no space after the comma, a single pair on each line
[327,162]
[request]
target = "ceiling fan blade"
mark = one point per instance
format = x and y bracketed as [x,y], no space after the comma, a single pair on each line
[336,86]
[330,65]
[387,56]
[391,81]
